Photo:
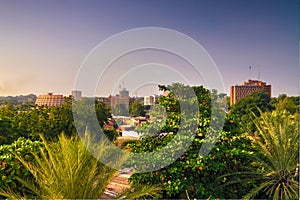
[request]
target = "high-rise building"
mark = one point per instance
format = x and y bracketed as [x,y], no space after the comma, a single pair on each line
[116,100]
[122,98]
[124,93]
[76,95]
[238,92]
[50,100]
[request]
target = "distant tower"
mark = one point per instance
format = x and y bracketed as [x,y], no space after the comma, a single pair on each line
[250,72]
[124,93]
[240,91]
[76,95]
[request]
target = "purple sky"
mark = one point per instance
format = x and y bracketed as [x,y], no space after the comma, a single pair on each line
[43,43]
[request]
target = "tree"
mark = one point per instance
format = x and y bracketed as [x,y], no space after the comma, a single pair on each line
[278,162]
[193,176]
[29,120]
[67,170]
[252,103]
[120,110]
[136,109]
[283,102]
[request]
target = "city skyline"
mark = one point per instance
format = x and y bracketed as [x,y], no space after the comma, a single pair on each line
[44,43]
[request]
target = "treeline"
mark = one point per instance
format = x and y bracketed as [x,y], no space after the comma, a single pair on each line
[29,120]
[17,100]
[253,155]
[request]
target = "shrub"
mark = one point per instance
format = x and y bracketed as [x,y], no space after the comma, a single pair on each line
[11,167]
[199,177]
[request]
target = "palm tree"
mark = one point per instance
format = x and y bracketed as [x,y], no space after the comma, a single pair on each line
[67,170]
[278,145]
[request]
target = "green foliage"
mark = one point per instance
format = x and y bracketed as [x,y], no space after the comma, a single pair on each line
[278,163]
[250,104]
[29,121]
[17,100]
[102,113]
[141,192]
[67,170]
[120,110]
[283,102]
[11,167]
[191,173]
[136,109]
[89,114]
[128,143]
[197,175]
[111,134]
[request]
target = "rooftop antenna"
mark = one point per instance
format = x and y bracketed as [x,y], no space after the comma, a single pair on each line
[249,72]
[258,75]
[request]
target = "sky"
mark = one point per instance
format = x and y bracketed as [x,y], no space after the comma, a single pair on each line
[45,44]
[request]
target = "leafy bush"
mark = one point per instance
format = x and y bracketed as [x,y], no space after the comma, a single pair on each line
[111,134]
[11,167]
[201,177]
[193,176]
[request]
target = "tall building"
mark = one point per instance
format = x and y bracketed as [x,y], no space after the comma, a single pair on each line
[122,98]
[116,100]
[76,95]
[238,92]
[124,93]
[50,100]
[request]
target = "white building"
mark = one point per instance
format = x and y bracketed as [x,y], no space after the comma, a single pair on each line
[149,100]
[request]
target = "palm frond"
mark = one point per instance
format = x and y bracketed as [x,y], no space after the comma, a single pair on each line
[67,169]
[278,145]
[141,192]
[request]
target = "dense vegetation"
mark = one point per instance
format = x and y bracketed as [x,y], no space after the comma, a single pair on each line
[250,152]
[29,121]
[11,168]
[278,164]
[17,100]
[239,164]
[191,175]
[66,169]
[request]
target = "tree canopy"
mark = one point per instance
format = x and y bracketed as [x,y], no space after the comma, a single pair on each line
[252,103]
[191,175]
[29,120]
[136,109]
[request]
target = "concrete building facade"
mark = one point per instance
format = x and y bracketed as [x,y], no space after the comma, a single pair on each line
[238,92]
[122,98]
[50,100]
